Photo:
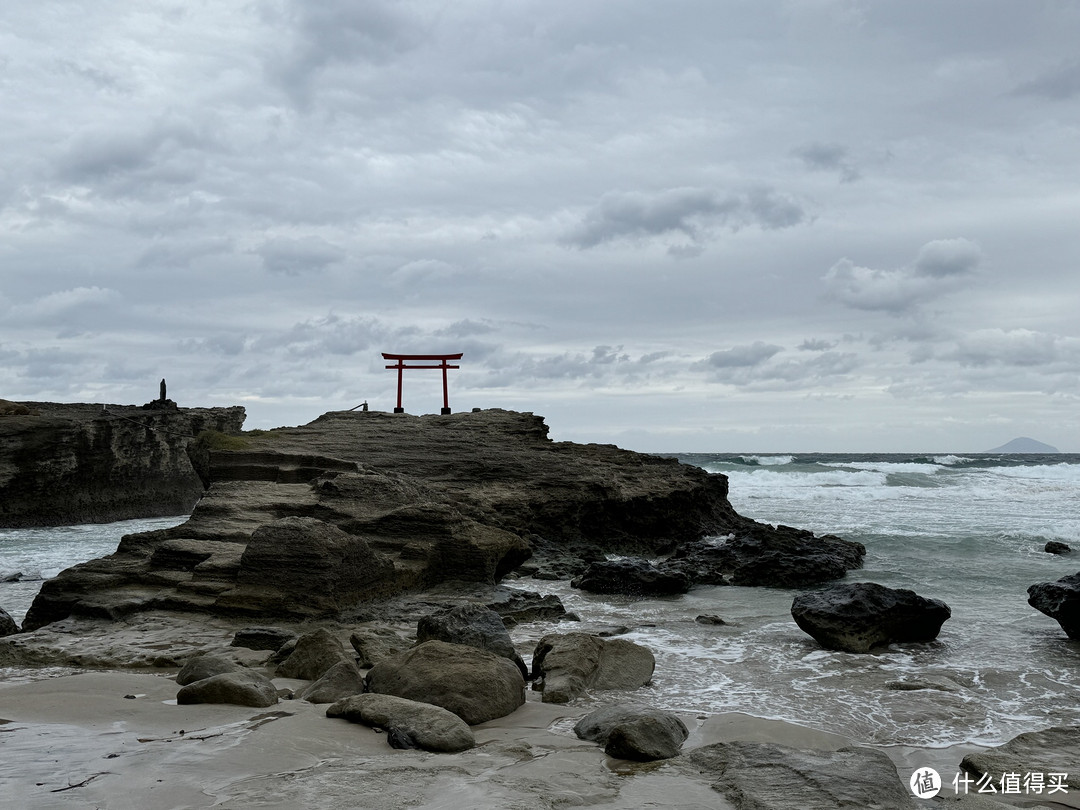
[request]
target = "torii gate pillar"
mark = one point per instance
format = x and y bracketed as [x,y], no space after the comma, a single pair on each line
[402,361]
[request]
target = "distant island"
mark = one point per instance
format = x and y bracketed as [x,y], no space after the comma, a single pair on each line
[1024,445]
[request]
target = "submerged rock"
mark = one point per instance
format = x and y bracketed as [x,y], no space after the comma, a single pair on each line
[476,685]
[1061,601]
[1057,547]
[859,616]
[634,577]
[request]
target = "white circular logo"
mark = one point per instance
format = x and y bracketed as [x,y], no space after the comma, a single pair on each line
[925,783]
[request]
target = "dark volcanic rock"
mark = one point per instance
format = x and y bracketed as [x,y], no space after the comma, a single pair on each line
[633,577]
[755,776]
[315,521]
[262,638]
[475,685]
[1057,547]
[7,624]
[82,463]
[474,625]
[1061,601]
[520,607]
[856,617]
[777,557]
[634,732]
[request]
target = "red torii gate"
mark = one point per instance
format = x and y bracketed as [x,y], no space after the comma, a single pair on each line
[401,365]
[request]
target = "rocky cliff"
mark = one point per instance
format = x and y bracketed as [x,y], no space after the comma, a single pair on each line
[312,521]
[81,463]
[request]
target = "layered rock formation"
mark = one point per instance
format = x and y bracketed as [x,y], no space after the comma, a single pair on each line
[312,521]
[80,463]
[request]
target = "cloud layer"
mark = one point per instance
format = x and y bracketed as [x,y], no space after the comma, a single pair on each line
[785,225]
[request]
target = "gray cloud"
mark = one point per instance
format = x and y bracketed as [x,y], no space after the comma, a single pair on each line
[940,267]
[740,356]
[687,212]
[295,256]
[1060,84]
[829,157]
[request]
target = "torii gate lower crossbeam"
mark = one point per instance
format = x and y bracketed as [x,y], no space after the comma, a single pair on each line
[402,362]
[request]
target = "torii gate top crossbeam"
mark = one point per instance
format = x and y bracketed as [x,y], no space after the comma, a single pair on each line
[403,362]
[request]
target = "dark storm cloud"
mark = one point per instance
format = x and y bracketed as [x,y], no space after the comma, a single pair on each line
[689,212]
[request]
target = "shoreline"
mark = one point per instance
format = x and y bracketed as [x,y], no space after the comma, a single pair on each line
[77,741]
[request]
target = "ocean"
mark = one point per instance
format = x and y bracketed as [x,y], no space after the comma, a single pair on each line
[968,530]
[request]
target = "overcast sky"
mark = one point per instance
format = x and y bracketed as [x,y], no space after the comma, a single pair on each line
[711,225]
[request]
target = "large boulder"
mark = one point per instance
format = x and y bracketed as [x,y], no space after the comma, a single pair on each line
[8,626]
[634,732]
[303,566]
[313,656]
[242,688]
[206,665]
[634,577]
[408,723]
[565,665]
[473,625]
[1061,601]
[474,684]
[340,681]
[765,775]
[519,607]
[373,645]
[1049,751]
[856,617]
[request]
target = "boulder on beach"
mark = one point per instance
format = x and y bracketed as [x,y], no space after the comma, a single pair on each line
[778,777]
[565,665]
[518,607]
[8,626]
[473,625]
[313,656]
[633,732]
[476,685]
[1061,601]
[342,680]
[206,665]
[408,723]
[244,687]
[858,616]
[634,577]
[374,644]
